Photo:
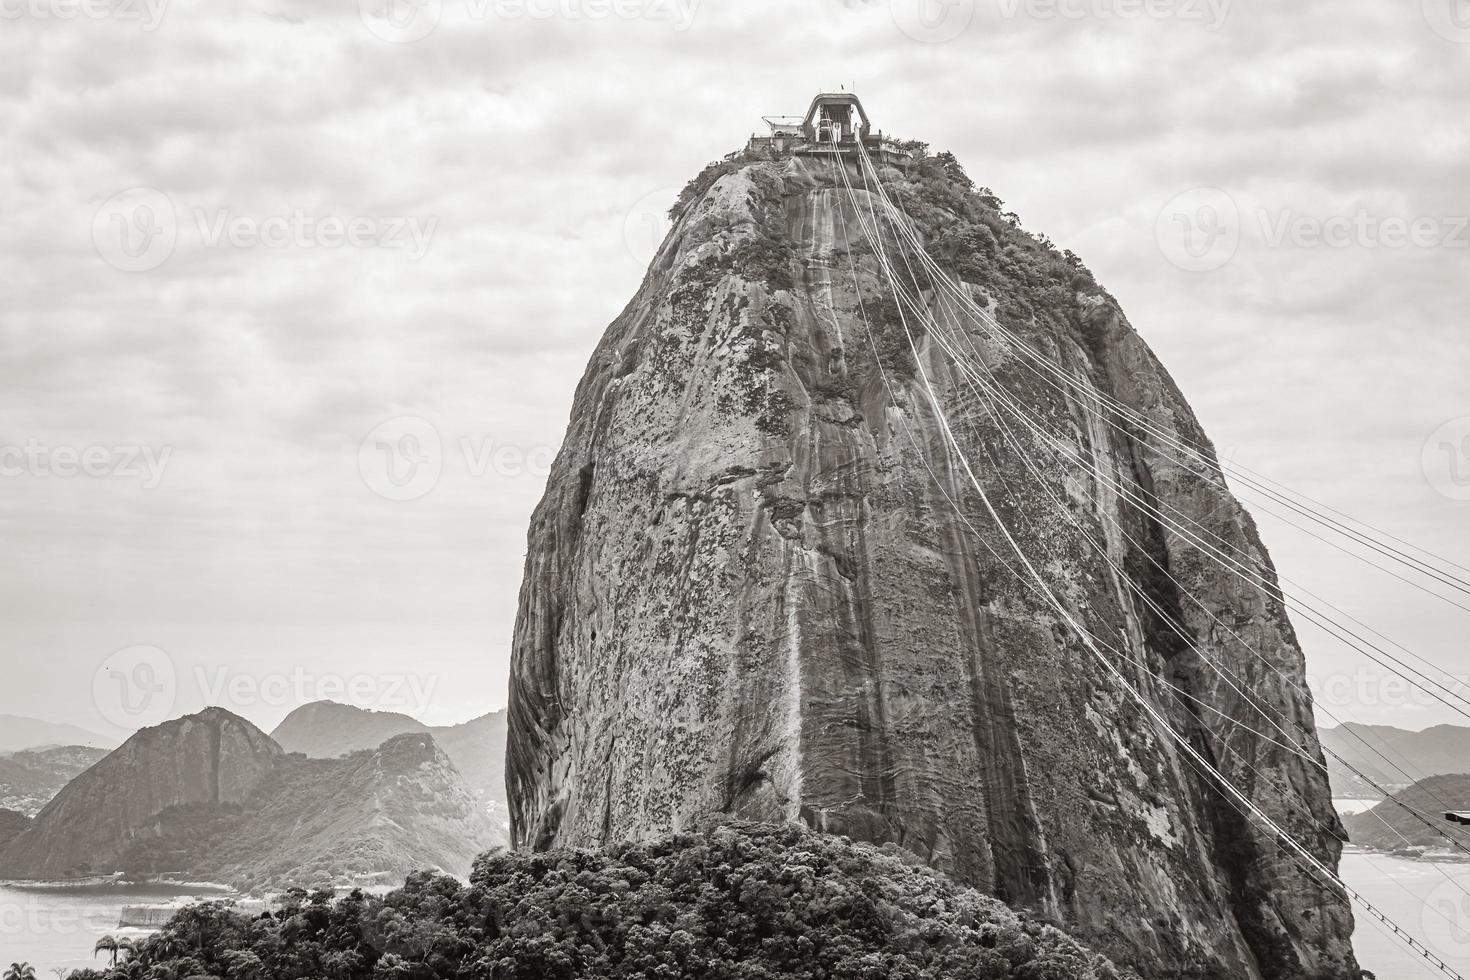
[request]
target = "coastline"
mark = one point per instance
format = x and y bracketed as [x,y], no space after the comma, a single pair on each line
[117,881]
[1415,853]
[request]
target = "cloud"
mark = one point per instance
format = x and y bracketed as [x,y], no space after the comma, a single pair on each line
[531,144]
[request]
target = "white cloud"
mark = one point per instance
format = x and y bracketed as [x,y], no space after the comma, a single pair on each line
[527,141]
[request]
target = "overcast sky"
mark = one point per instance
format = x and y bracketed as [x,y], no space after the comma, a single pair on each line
[252,249]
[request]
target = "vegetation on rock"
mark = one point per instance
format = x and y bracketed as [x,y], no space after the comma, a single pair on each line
[743,901]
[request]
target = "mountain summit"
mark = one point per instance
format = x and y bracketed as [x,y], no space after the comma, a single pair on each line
[211,797]
[764,582]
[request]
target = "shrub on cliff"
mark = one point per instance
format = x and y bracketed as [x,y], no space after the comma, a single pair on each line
[743,902]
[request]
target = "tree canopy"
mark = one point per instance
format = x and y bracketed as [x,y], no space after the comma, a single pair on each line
[741,902]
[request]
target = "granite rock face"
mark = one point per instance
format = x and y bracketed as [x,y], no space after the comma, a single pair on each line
[760,585]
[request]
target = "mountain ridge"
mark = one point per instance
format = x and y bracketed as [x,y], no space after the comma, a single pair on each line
[326,729]
[19,732]
[1394,758]
[210,796]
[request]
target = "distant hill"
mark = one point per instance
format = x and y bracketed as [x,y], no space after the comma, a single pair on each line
[17,733]
[327,729]
[373,816]
[1434,751]
[211,797]
[478,750]
[30,778]
[1390,827]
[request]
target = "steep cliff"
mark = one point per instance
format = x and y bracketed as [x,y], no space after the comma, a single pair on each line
[760,585]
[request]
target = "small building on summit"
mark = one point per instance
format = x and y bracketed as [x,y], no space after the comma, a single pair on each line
[835,124]
[831,118]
